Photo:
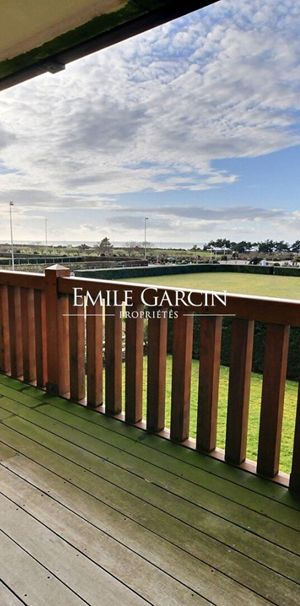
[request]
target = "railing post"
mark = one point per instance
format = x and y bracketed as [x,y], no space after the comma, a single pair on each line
[239,390]
[40,337]
[208,392]
[113,361]
[275,367]
[295,473]
[134,367]
[4,331]
[181,376]
[156,380]
[15,331]
[55,351]
[94,354]
[28,335]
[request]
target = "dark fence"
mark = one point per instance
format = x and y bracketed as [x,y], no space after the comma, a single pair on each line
[191,268]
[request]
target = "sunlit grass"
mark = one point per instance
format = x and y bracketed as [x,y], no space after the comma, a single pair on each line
[286,287]
[254,410]
[250,284]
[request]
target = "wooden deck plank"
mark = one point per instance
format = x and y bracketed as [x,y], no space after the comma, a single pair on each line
[134,571]
[14,383]
[240,531]
[6,452]
[4,414]
[211,486]
[106,446]
[233,476]
[18,396]
[74,569]
[230,480]
[7,598]
[162,553]
[239,566]
[232,483]
[172,526]
[31,581]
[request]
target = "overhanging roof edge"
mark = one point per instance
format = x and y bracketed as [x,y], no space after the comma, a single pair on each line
[30,65]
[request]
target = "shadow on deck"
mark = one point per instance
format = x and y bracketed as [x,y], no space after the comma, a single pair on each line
[97,512]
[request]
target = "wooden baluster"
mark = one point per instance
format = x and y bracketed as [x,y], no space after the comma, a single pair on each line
[77,351]
[15,331]
[57,323]
[156,380]
[4,331]
[94,338]
[40,337]
[275,366]
[239,390]
[181,377]
[28,335]
[295,472]
[209,371]
[134,367]
[113,360]
[63,346]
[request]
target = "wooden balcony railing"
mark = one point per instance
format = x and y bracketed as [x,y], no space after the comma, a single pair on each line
[47,341]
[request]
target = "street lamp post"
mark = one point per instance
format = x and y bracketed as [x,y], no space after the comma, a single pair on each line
[145,237]
[11,204]
[46,231]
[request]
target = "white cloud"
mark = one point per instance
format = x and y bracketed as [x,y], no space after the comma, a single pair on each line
[156,111]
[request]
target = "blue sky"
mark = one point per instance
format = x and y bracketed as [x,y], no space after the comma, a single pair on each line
[195,124]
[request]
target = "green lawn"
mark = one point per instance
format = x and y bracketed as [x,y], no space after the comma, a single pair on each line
[255,396]
[261,285]
[250,284]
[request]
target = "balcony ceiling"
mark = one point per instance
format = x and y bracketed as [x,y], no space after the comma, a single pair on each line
[36,37]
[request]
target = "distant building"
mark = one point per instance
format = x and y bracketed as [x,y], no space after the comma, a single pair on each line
[219,250]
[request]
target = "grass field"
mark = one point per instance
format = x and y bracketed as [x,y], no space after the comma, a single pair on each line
[249,284]
[261,285]
[254,411]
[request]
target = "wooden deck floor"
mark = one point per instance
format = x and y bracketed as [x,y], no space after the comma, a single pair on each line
[96,512]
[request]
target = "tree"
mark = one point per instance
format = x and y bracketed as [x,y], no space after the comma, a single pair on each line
[133,248]
[105,247]
[295,248]
[241,247]
[281,246]
[219,243]
[83,247]
[266,247]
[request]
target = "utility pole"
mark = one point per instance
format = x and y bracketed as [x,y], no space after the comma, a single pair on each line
[46,231]
[11,204]
[145,237]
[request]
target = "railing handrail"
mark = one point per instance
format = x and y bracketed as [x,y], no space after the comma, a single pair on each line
[22,279]
[263,309]
[66,284]
[46,340]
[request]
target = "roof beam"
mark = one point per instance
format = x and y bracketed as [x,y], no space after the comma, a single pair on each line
[91,37]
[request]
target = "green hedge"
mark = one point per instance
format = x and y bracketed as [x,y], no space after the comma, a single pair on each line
[287,271]
[258,348]
[260,329]
[119,273]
